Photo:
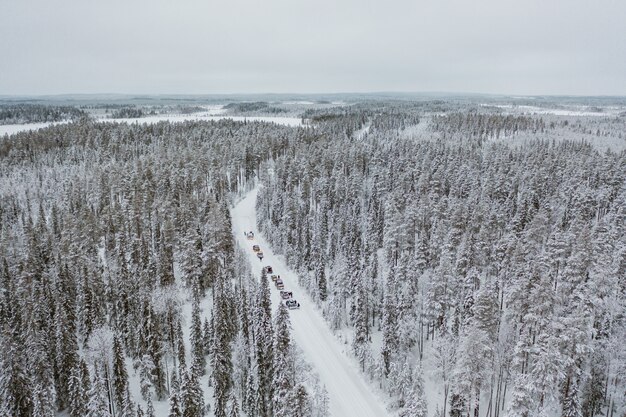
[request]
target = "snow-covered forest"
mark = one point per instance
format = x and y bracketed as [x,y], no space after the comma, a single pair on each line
[30,113]
[471,259]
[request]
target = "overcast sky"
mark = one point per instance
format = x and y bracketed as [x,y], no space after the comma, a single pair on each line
[529,47]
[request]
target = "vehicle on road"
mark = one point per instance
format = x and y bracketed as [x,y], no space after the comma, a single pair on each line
[256,248]
[286,295]
[274,277]
[250,235]
[279,284]
[292,304]
[259,255]
[268,269]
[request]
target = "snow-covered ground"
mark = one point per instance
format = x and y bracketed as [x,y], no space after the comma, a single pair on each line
[12,129]
[565,111]
[349,393]
[214,114]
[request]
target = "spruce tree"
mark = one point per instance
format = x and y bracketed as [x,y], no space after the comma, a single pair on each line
[302,406]
[78,390]
[150,408]
[221,361]
[416,404]
[180,349]
[321,282]
[264,351]
[15,383]
[120,377]
[192,395]
[361,326]
[233,408]
[197,346]
[283,382]
[390,323]
[207,334]
[97,404]
[175,409]
[250,403]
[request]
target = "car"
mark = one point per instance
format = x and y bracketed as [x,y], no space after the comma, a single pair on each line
[286,295]
[250,235]
[259,255]
[268,269]
[256,248]
[274,277]
[279,284]
[292,304]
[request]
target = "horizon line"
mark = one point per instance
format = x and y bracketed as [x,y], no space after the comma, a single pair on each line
[352,93]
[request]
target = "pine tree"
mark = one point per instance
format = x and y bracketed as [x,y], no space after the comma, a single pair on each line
[150,408]
[175,409]
[15,383]
[284,377]
[457,405]
[97,405]
[66,349]
[321,282]
[390,323]
[233,409]
[120,377]
[361,326]
[521,402]
[302,406]
[180,349]
[192,395]
[152,349]
[43,401]
[250,398]
[207,335]
[44,394]
[78,390]
[146,367]
[416,404]
[127,408]
[264,351]
[571,401]
[197,346]
[221,361]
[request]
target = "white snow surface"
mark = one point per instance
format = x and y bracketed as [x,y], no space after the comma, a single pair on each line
[566,111]
[12,129]
[286,121]
[349,393]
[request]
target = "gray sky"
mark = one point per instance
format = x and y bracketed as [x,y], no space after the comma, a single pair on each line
[292,46]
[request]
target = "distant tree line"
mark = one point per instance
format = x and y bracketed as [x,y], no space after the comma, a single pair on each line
[37,113]
[127,113]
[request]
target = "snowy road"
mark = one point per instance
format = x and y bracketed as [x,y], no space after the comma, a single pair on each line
[349,394]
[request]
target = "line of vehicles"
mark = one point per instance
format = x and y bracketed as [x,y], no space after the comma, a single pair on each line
[286,296]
